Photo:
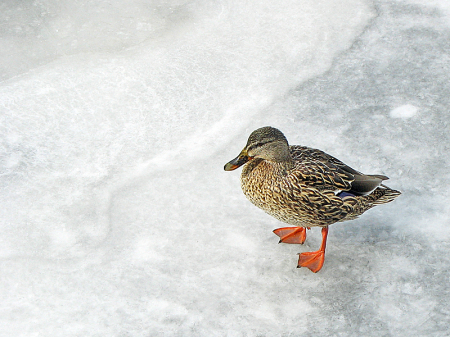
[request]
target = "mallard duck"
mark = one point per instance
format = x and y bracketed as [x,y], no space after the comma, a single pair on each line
[304,187]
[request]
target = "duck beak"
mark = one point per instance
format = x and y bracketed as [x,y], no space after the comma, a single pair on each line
[238,161]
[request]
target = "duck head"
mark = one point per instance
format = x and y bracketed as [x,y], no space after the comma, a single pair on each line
[266,143]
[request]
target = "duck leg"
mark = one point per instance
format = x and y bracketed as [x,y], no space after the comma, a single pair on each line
[314,260]
[291,234]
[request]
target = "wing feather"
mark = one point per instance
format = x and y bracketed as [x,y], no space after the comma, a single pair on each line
[326,172]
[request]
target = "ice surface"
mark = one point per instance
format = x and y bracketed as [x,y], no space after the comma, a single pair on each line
[404,111]
[117,218]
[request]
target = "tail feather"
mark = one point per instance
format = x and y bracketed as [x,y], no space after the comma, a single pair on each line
[383,195]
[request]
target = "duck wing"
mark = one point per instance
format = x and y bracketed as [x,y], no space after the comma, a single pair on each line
[319,169]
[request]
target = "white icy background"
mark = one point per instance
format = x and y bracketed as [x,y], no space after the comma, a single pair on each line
[117,218]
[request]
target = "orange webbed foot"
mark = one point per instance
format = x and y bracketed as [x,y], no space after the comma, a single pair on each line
[312,260]
[291,234]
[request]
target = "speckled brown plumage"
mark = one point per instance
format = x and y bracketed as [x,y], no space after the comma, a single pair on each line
[304,187]
[305,195]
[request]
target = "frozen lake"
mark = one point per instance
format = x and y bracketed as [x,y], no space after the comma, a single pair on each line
[116,119]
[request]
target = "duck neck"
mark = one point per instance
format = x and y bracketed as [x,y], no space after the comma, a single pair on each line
[283,156]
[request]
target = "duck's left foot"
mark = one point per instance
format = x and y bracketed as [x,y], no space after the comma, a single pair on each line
[291,234]
[312,260]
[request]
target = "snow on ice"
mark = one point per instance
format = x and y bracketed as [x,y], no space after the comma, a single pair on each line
[116,119]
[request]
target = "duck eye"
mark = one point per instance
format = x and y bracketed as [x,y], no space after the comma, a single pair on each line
[254,146]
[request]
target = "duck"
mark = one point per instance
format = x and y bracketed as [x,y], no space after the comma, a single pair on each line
[304,187]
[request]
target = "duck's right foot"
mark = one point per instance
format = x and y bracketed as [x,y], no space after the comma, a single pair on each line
[291,234]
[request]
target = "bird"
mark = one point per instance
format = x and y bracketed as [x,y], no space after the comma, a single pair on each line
[304,187]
